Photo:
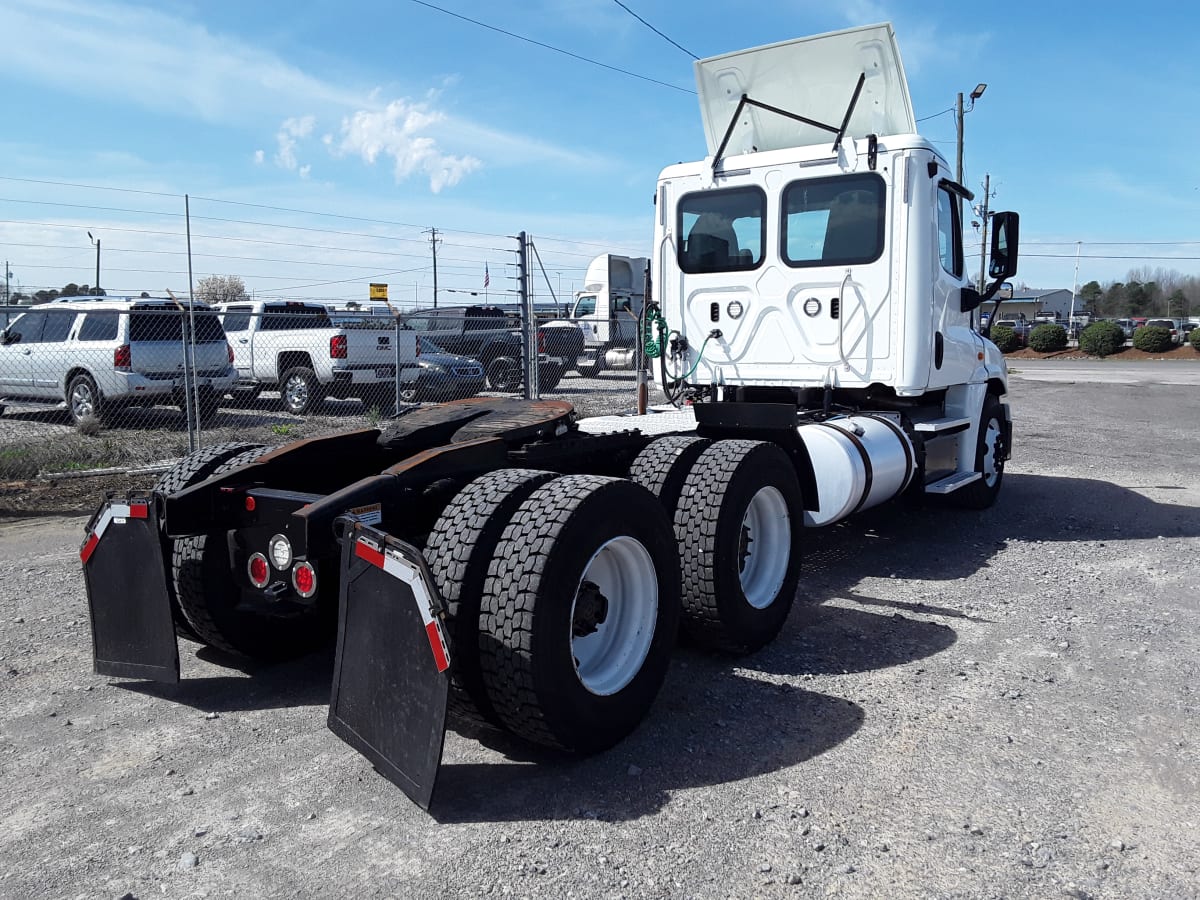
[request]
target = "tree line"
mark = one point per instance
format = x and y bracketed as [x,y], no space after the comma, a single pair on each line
[1144,292]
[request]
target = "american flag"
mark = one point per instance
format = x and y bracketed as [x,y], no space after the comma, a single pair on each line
[487,279]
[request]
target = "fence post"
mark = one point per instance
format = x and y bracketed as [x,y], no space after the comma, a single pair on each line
[528,360]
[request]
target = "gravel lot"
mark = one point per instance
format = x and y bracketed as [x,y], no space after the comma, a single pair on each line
[970,705]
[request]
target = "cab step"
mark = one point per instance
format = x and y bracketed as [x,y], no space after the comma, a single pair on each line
[952,483]
[942,427]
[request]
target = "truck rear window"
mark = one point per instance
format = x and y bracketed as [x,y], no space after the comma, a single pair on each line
[834,221]
[291,318]
[723,231]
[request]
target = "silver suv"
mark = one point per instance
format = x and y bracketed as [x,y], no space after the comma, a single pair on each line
[104,353]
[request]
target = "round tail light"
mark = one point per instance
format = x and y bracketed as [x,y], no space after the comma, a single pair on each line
[304,579]
[259,571]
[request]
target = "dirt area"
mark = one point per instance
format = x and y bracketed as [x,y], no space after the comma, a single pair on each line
[962,705]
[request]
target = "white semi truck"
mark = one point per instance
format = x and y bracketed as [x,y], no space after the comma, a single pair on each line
[812,325]
[608,312]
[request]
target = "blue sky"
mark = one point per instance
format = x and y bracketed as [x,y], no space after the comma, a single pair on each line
[393,117]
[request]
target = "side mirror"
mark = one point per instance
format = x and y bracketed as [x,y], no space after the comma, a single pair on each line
[1005,236]
[5,338]
[971,299]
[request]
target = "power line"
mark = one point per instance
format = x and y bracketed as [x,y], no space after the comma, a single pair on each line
[935,115]
[655,30]
[529,40]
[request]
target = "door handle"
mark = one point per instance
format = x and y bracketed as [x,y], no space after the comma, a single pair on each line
[243,340]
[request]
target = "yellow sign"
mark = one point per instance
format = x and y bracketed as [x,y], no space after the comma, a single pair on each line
[378,291]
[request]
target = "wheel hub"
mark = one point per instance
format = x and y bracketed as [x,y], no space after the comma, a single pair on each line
[591,609]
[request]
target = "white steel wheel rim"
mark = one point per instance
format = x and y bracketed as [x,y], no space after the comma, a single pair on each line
[296,391]
[767,548]
[991,440]
[608,658]
[82,401]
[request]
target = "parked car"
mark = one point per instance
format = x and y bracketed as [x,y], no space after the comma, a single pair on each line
[1172,325]
[100,354]
[1128,327]
[1021,327]
[443,376]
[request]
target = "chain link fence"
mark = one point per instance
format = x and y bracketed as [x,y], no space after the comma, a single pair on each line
[93,384]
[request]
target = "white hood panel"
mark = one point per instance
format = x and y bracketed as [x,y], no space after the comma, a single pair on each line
[813,77]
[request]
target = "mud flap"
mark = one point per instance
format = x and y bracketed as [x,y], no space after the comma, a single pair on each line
[391,677]
[133,635]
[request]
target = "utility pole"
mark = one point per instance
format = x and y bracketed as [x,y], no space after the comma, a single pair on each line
[96,241]
[984,215]
[433,242]
[959,112]
[7,276]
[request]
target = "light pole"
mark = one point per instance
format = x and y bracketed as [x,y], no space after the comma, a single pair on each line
[959,112]
[96,286]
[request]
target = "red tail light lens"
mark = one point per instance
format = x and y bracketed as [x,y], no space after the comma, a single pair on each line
[258,570]
[541,341]
[337,347]
[304,579]
[123,358]
[418,339]
[229,351]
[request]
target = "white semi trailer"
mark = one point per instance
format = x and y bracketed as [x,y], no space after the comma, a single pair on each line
[812,326]
[608,311]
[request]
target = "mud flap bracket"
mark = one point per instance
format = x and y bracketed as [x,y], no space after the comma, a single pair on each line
[391,678]
[133,634]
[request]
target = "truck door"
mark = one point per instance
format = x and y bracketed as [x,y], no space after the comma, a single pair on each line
[954,341]
[236,321]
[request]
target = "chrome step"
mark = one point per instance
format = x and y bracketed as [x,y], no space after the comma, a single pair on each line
[940,427]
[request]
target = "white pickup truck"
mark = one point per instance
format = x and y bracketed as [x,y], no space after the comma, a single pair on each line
[295,348]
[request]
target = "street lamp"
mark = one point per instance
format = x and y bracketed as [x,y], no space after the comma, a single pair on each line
[96,286]
[959,113]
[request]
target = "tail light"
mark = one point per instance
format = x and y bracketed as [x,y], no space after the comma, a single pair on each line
[229,351]
[418,340]
[304,579]
[258,570]
[337,347]
[123,358]
[541,341]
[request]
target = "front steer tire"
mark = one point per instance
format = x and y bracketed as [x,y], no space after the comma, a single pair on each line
[569,662]
[989,459]
[208,598]
[737,524]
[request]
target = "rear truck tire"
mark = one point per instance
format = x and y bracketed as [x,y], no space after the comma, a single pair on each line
[299,390]
[208,598]
[83,399]
[663,467]
[459,550]
[549,376]
[504,374]
[579,613]
[192,469]
[737,524]
[989,459]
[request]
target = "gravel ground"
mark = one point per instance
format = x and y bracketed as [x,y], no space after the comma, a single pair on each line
[969,705]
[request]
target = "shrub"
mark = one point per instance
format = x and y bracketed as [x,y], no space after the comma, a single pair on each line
[1102,339]
[1194,339]
[1005,339]
[1152,339]
[1047,338]
[88,425]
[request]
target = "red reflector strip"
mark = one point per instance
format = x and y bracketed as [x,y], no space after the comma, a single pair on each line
[139,511]
[89,547]
[365,551]
[434,633]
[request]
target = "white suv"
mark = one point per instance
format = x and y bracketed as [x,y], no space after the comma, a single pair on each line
[102,353]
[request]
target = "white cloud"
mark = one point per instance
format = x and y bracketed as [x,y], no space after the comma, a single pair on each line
[289,135]
[259,156]
[396,132]
[921,42]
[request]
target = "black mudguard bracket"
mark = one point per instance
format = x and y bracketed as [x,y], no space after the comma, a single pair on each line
[133,634]
[391,679]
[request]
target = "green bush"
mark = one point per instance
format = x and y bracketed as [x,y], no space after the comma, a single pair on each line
[1102,339]
[1005,339]
[1194,339]
[1047,338]
[1153,339]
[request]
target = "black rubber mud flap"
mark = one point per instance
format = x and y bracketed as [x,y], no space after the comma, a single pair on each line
[391,678]
[133,635]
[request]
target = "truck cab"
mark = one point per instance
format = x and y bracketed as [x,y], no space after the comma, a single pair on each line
[799,255]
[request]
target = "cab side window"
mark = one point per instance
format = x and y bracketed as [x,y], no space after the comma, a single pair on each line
[949,234]
[57,327]
[27,329]
[99,326]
